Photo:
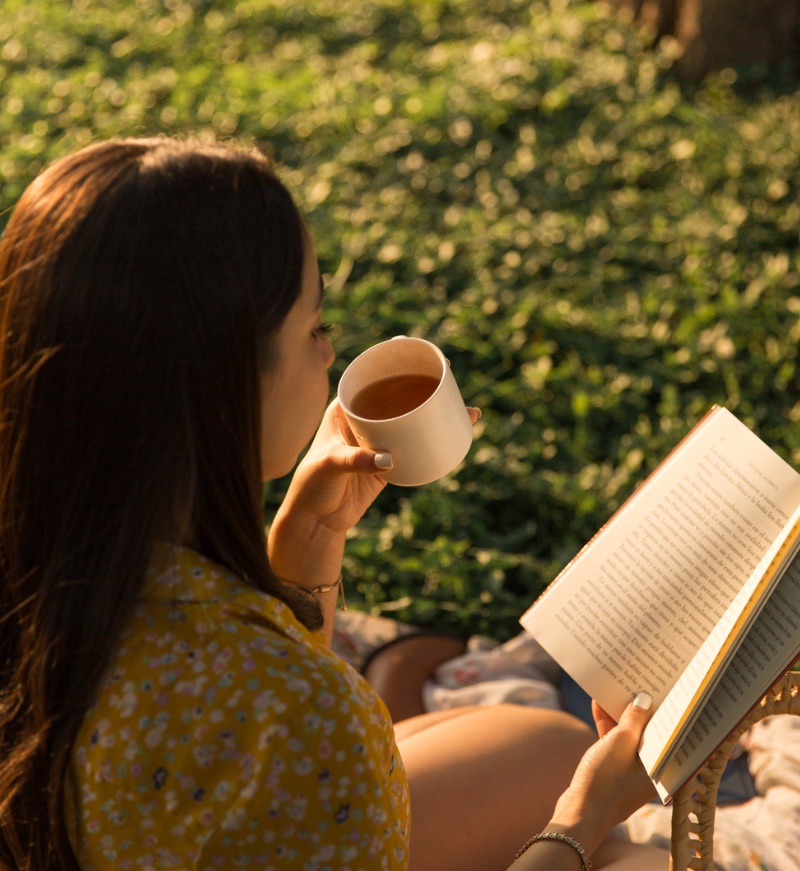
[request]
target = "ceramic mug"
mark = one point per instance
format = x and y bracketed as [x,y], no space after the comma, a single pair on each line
[400,396]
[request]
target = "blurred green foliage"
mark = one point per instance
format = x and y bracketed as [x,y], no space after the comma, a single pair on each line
[601,253]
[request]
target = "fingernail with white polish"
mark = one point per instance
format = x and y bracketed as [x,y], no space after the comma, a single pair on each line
[642,701]
[383,460]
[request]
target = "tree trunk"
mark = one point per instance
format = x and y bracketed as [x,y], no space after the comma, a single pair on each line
[721,33]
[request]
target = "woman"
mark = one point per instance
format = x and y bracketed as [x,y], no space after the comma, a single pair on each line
[167,696]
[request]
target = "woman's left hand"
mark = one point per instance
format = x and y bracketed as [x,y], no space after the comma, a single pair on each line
[332,487]
[336,481]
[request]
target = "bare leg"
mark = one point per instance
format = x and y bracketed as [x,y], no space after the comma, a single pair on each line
[483,779]
[415,725]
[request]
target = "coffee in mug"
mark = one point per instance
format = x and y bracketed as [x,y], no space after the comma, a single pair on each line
[393,396]
[401,397]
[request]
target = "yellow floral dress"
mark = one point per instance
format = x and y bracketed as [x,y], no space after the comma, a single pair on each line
[227,735]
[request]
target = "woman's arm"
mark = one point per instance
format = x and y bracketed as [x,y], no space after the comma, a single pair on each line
[331,488]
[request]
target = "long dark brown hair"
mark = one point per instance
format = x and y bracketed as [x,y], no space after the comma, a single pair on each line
[140,283]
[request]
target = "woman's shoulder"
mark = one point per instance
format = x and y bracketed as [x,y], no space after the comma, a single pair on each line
[184,587]
[199,631]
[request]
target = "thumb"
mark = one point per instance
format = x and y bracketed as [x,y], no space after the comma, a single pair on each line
[641,706]
[367,461]
[638,713]
[639,709]
[378,461]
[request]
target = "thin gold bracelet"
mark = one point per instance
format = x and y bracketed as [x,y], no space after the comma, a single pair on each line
[338,584]
[565,839]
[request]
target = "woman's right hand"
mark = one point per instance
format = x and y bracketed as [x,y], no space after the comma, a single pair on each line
[610,782]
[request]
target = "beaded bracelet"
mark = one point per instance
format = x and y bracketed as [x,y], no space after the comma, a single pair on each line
[565,839]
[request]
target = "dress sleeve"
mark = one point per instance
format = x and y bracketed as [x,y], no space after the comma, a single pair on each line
[326,789]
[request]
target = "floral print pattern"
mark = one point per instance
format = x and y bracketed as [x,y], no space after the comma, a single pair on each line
[227,735]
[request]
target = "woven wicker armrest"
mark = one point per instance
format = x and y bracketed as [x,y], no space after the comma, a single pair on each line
[695,803]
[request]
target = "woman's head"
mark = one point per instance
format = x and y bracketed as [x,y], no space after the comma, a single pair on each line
[145,280]
[147,288]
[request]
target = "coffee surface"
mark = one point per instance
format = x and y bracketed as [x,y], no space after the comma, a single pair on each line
[393,396]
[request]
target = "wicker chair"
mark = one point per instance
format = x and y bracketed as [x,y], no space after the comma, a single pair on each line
[695,803]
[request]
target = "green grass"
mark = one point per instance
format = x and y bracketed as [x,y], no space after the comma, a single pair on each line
[601,253]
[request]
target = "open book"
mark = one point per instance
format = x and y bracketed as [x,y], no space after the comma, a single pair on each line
[691,592]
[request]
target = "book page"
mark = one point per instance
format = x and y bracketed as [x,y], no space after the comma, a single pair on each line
[770,647]
[670,723]
[632,609]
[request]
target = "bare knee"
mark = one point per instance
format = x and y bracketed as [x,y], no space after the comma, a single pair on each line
[398,671]
[481,782]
